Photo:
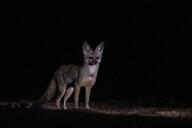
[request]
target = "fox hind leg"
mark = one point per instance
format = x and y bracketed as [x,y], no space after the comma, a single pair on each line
[61,90]
[67,95]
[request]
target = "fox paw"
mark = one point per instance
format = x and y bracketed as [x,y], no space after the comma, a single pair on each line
[87,106]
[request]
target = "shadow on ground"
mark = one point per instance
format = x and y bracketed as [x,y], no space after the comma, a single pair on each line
[20,114]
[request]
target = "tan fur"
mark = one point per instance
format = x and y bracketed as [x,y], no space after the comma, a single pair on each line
[88,82]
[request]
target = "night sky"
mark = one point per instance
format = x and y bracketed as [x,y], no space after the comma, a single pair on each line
[146,56]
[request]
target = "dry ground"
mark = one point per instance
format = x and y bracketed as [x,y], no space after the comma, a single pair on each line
[110,108]
[110,113]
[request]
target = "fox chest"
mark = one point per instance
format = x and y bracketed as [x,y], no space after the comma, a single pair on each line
[88,80]
[92,69]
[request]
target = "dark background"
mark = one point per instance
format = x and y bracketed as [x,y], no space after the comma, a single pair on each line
[146,56]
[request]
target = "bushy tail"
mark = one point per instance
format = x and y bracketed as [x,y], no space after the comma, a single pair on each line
[48,95]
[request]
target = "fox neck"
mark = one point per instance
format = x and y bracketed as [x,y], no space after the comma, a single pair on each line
[91,70]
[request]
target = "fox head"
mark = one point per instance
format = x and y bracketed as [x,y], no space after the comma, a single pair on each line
[92,57]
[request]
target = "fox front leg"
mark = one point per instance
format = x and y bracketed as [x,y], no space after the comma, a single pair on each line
[87,95]
[76,96]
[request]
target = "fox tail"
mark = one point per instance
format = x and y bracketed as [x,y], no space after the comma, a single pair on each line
[48,94]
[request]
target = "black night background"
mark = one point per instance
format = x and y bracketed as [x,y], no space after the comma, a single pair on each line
[145,62]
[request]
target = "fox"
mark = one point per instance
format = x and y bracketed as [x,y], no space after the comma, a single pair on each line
[70,78]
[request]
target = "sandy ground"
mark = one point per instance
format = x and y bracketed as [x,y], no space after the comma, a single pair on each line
[112,112]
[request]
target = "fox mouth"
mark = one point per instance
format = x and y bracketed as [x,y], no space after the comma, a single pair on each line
[92,63]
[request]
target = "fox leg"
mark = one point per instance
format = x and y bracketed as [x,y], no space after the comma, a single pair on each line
[87,95]
[60,95]
[76,96]
[67,95]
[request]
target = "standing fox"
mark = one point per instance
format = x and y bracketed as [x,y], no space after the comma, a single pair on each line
[71,77]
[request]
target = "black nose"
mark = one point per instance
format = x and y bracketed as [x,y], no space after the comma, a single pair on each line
[93,63]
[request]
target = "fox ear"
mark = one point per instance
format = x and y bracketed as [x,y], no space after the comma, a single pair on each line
[100,47]
[86,48]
